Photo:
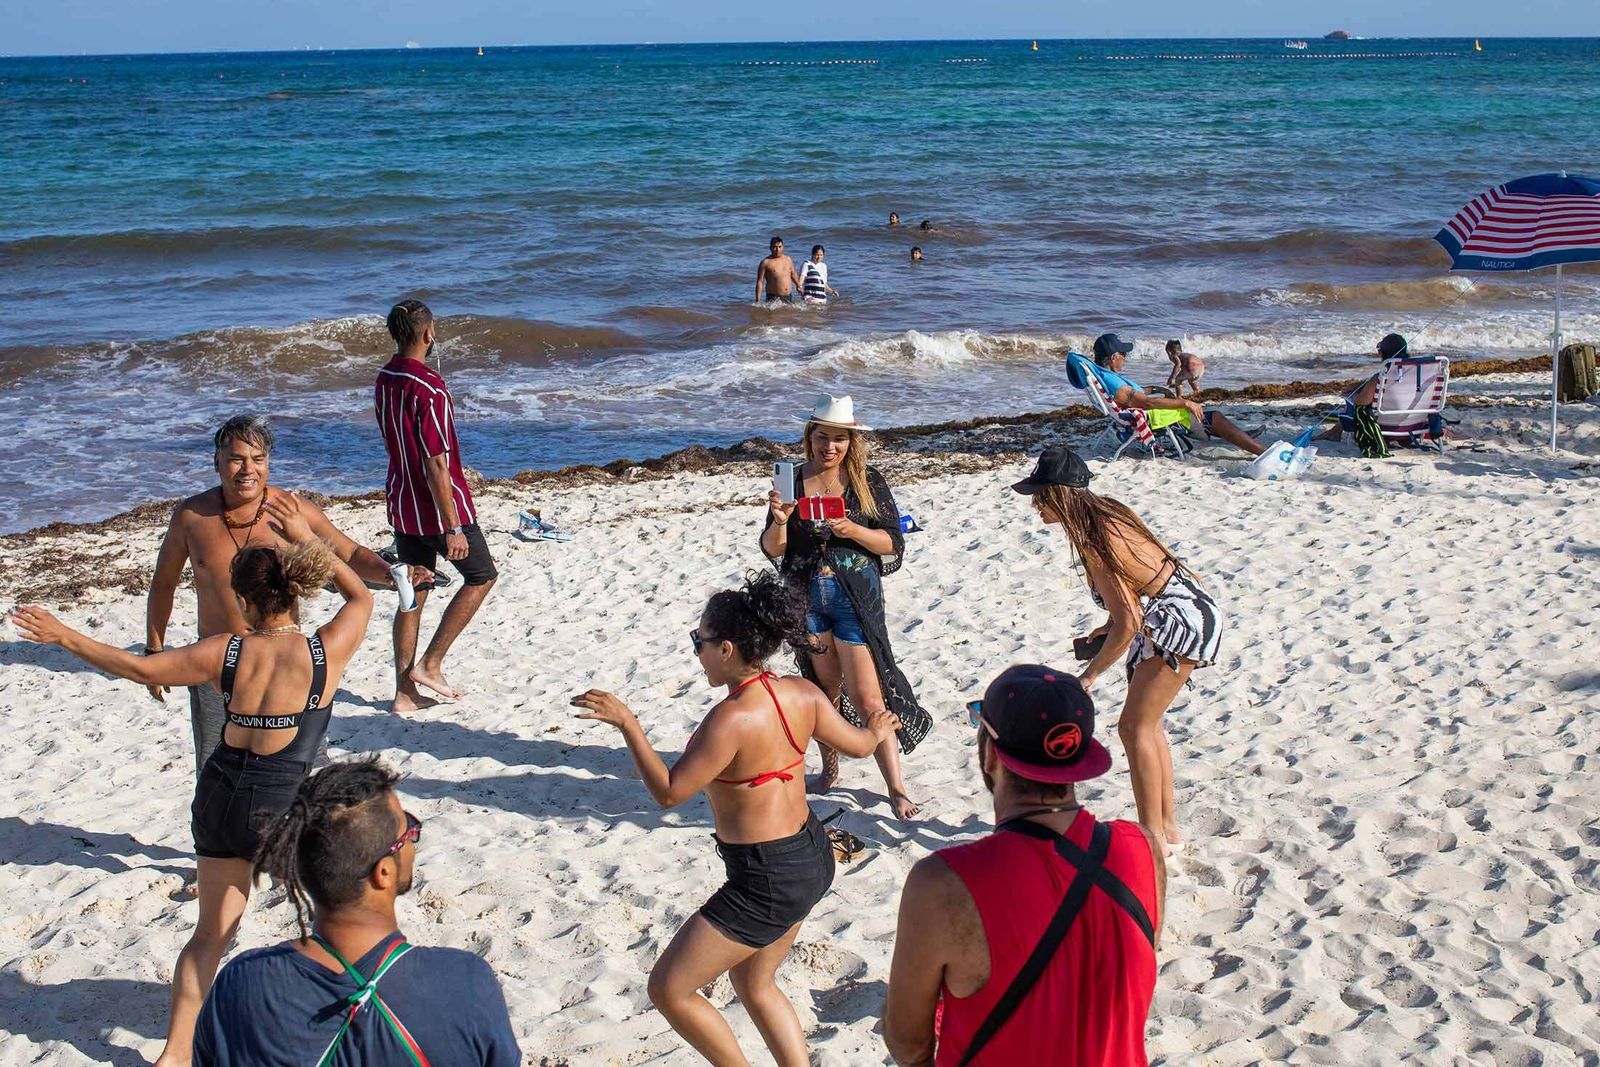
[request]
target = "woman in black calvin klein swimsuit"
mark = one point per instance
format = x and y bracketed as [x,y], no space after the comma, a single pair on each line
[276,685]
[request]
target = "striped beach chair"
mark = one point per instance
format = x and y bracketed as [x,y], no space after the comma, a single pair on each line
[1124,427]
[1409,404]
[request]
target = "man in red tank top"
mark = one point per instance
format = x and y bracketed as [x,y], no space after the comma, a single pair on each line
[1045,952]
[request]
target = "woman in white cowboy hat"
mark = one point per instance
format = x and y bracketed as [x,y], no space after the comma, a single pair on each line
[838,565]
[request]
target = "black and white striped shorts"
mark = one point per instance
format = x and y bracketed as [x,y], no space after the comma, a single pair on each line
[1182,622]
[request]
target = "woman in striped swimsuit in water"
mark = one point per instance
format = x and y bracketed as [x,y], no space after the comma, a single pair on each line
[748,754]
[1158,613]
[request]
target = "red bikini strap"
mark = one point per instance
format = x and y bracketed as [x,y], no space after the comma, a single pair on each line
[782,718]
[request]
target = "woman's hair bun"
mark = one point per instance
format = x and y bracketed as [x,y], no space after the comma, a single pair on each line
[759,618]
[307,567]
[273,579]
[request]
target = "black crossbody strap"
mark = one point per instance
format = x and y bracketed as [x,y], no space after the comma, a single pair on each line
[1114,887]
[1045,950]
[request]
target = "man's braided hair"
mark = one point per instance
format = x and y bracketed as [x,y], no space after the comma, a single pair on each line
[335,832]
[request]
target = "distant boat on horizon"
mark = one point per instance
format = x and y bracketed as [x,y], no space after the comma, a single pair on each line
[480,49]
[1477,45]
[412,44]
[1337,35]
[1036,46]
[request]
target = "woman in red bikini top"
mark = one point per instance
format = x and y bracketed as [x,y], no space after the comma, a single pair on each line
[748,755]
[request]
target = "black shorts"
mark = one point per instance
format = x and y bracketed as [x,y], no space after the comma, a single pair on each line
[771,885]
[424,551]
[239,794]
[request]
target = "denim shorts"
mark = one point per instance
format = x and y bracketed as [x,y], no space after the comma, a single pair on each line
[828,608]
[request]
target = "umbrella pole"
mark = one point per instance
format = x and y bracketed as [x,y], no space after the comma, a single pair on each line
[1555,362]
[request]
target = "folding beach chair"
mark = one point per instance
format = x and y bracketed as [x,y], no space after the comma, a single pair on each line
[1124,426]
[1409,405]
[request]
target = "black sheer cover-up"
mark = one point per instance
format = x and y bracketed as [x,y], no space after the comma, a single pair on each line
[809,545]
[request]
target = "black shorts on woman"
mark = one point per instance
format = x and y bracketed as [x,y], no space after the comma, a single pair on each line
[771,885]
[240,792]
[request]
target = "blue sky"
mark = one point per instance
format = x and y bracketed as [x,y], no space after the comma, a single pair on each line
[34,27]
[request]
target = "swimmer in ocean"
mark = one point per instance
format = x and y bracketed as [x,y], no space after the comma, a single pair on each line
[894,219]
[916,253]
[814,278]
[776,274]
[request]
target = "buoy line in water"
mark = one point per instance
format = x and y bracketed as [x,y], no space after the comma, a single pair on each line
[1297,55]
[808,62]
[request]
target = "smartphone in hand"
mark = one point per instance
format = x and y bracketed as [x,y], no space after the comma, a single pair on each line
[783,481]
[1084,648]
[822,508]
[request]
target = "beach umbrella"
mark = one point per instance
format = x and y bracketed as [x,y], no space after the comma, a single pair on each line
[1545,220]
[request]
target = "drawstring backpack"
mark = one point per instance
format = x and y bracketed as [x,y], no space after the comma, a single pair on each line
[367,989]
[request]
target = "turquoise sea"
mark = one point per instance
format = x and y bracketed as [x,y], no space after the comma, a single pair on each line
[185,237]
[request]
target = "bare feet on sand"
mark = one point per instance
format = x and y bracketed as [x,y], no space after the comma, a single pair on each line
[821,783]
[905,809]
[408,698]
[427,679]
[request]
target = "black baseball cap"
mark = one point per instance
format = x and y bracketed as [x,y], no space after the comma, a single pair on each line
[1391,346]
[1042,725]
[1058,465]
[1108,343]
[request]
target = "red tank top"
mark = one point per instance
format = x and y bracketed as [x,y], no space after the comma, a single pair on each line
[1089,1007]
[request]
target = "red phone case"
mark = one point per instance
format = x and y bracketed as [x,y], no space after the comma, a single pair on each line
[821,508]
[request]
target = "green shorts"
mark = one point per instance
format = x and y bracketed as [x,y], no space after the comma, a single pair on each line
[1161,418]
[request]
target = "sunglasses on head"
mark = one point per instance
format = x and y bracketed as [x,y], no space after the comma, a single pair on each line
[412,833]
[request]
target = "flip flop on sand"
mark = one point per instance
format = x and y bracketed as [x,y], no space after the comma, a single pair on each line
[532,526]
[846,845]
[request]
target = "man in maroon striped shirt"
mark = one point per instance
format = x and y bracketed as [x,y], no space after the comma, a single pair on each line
[430,506]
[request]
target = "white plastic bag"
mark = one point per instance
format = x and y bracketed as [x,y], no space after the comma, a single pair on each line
[1282,461]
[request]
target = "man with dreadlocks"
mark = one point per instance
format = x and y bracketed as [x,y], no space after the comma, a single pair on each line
[351,990]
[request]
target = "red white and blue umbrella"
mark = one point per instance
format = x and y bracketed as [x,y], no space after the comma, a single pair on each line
[1540,221]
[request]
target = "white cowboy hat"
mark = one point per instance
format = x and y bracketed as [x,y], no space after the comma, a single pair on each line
[837,411]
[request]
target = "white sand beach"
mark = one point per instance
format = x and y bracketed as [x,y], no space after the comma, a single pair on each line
[1389,782]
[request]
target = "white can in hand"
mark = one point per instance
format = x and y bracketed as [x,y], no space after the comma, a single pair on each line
[401,574]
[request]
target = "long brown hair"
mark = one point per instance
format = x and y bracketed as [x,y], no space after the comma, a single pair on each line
[855,465]
[1088,520]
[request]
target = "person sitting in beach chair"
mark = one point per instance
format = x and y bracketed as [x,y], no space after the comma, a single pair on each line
[1125,427]
[1409,401]
[1111,355]
[1403,402]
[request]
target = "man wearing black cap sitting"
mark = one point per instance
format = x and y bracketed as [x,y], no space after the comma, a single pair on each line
[1110,355]
[1393,346]
[1046,929]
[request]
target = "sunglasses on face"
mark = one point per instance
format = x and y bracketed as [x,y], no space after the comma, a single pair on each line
[412,833]
[975,716]
[696,640]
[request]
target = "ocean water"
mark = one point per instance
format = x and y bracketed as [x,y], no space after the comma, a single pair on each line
[186,237]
